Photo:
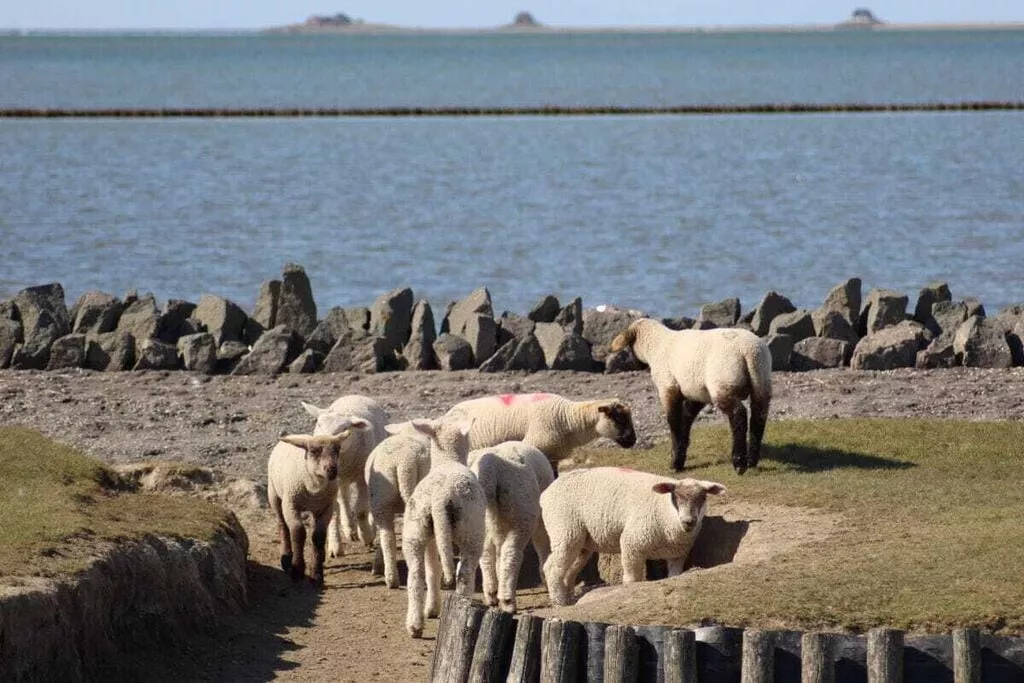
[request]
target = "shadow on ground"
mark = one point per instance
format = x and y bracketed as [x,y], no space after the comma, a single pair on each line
[803,458]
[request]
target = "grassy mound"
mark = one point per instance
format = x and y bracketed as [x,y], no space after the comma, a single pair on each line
[932,536]
[56,505]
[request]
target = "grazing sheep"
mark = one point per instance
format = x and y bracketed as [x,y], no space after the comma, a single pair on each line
[446,509]
[302,476]
[351,514]
[393,470]
[512,475]
[551,423]
[642,516]
[692,368]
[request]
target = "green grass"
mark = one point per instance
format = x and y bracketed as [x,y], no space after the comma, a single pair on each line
[57,504]
[932,538]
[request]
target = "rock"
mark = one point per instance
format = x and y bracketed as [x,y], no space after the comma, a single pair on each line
[1014,339]
[327,332]
[453,352]
[684,323]
[307,363]
[601,327]
[884,308]
[725,313]
[516,354]
[419,351]
[110,351]
[141,319]
[222,318]
[889,348]
[198,352]
[938,354]
[845,298]
[974,307]
[545,310]
[981,343]
[482,334]
[96,312]
[152,354]
[623,361]
[358,351]
[571,316]
[781,347]
[251,333]
[10,337]
[512,326]
[176,321]
[44,319]
[563,349]
[358,317]
[928,297]
[946,317]
[265,310]
[477,303]
[67,352]
[229,355]
[832,324]
[798,325]
[296,308]
[273,352]
[818,353]
[391,317]
[772,305]
[500,359]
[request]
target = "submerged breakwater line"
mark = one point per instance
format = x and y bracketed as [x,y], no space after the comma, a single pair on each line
[375,112]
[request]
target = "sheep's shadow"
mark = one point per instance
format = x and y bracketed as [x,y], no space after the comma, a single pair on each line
[808,459]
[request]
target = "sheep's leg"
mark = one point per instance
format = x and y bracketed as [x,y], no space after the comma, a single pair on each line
[737,414]
[319,548]
[432,607]
[488,562]
[334,529]
[758,421]
[681,414]
[389,549]
[465,578]
[362,507]
[542,546]
[510,562]
[283,535]
[634,568]
[413,549]
[555,574]
[298,539]
[580,561]
[675,565]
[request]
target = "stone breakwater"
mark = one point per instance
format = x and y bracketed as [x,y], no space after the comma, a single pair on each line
[284,333]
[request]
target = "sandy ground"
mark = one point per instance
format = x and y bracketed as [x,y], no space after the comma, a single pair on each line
[353,631]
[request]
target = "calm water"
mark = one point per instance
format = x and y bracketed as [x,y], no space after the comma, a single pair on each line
[659,213]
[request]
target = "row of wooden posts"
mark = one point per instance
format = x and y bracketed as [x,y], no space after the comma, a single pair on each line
[477,644]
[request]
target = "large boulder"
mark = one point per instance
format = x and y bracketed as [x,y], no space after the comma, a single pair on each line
[516,354]
[545,310]
[44,319]
[563,349]
[472,319]
[296,308]
[358,351]
[946,317]
[725,313]
[571,316]
[67,352]
[818,353]
[114,351]
[265,311]
[482,334]
[176,321]
[930,295]
[513,326]
[1011,319]
[453,352]
[884,308]
[337,322]
[96,312]
[797,324]
[276,348]
[198,352]
[981,343]
[602,325]
[781,348]
[222,318]
[229,355]
[771,306]
[391,317]
[141,319]
[309,361]
[845,298]
[459,312]
[10,337]
[419,350]
[833,324]
[153,354]
[938,354]
[889,348]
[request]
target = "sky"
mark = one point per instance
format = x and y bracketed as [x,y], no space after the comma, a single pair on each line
[245,14]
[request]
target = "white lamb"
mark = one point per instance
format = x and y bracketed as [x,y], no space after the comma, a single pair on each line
[692,368]
[393,470]
[302,476]
[512,475]
[351,514]
[553,424]
[446,509]
[642,516]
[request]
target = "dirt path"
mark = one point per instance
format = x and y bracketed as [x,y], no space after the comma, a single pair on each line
[354,630]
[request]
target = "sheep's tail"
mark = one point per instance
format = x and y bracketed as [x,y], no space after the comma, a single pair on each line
[759,369]
[442,514]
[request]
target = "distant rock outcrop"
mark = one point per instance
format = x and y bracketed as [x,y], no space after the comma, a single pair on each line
[861,17]
[524,20]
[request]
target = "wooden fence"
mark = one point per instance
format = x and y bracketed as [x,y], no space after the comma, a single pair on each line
[478,644]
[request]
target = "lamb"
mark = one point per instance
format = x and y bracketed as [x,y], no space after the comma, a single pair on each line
[352,509]
[394,468]
[551,423]
[642,516]
[512,475]
[447,508]
[692,368]
[302,476]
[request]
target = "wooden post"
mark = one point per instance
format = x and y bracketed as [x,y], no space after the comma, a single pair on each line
[595,651]
[441,641]
[680,656]
[885,655]
[966,655]
[490,660]
[560,644]
[620,655]
[525,667]
[758,665]
[816,663]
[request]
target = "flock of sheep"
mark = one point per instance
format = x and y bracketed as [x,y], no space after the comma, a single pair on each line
[483,477]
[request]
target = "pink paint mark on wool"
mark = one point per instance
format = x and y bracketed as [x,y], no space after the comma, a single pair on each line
[515,399]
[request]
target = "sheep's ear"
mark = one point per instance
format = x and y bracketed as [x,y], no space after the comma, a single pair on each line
[312,409]
[664,487]
[609,406]
[425,426]
[346,426]
[300,440]
[394,428]
[464,425]
[359,423]
[711,487]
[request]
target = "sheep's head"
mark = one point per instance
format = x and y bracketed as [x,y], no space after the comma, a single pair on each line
[624,339]
[328,423]
[322,451]
[689,497]
[448,437]
[615,422]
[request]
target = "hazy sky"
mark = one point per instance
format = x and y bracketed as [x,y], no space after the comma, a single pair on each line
[25,14]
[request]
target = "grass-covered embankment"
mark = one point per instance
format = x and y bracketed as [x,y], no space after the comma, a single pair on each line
[932,537]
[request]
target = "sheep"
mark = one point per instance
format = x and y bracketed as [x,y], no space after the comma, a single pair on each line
[616,510]
[302,476]
[393,469]
[551,423]
[351,512]
[512,475]
[692,368]
[447,508]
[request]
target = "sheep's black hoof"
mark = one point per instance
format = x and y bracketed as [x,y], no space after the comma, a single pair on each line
[740,466]
[447,585]
[298,571]
[286,563]
[678,464]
